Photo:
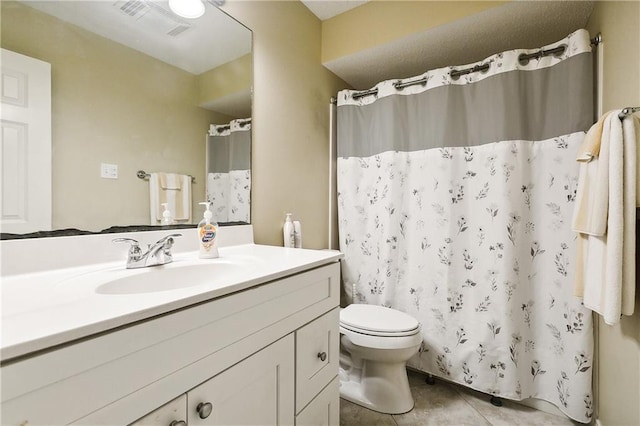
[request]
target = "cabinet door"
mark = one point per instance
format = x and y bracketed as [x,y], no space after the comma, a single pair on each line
[170,414]
[324,410]
[317,351]
[256,391]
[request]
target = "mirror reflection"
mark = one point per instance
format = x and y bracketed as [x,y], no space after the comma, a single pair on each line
[229,170]
[134,87]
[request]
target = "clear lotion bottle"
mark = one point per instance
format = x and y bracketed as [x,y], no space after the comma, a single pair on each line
[207,234]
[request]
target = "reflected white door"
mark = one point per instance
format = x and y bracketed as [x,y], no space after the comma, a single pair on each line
[25,144]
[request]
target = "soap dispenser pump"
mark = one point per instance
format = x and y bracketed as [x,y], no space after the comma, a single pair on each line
[207,234]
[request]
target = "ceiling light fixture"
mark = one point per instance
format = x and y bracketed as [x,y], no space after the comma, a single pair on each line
[190,9]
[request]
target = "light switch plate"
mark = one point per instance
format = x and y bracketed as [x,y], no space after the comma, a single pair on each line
[109,171]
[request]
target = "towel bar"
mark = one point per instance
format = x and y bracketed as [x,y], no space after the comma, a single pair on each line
[628,111]
[144,176]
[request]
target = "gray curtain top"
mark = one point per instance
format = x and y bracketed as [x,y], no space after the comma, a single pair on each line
[230,152]
[549,98]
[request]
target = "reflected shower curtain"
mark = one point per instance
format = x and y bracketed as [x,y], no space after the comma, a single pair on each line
[454,201]
[229,171]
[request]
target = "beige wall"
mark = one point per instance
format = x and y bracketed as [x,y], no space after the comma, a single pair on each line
[290,158]
[387,20]
[227,79]
[110,104]
[619,346]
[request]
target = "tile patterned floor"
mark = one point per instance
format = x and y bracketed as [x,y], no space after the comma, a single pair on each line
[448,404]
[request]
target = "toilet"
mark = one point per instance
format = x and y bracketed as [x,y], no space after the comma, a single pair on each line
[375,345]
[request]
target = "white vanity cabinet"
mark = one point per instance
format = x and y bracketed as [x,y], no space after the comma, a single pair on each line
[265,355]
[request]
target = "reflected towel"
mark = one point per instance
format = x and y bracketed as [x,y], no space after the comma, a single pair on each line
[173,189]
[606,263]
[170,181]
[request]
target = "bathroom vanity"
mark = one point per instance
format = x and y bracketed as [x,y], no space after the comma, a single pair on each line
[249,338]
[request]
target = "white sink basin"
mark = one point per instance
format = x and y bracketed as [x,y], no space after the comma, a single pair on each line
[180,274]
[164,278]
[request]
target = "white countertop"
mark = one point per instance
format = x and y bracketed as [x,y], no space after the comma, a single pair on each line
[49,308]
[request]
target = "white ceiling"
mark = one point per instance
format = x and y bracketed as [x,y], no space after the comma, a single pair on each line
[209,41]
[515,25]
[328,9]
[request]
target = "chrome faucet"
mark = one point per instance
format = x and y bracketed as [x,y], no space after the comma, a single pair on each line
[157,254]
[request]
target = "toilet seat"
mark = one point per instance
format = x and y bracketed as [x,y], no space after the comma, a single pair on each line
[379,327]
[380,333]
[376,320]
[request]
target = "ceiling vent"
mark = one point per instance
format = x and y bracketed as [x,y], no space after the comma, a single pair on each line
[153,18]
[134,7]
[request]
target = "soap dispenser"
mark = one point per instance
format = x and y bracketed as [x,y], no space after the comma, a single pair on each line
[166,215]
[207,233]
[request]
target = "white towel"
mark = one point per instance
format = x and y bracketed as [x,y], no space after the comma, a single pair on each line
[606,263]
[591,208]
[173,189]
[631,135]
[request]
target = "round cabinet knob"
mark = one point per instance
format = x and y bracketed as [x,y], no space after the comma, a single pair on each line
[178,423]
[322,356]
[204,409]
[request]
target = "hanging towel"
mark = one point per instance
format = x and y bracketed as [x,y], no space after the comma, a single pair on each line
[605,260]
[590,211]
[173,189]
[590,148]
[170,181]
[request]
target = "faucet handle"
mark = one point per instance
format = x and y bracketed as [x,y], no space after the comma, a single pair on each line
[171,236]
[135,249]
[168,242]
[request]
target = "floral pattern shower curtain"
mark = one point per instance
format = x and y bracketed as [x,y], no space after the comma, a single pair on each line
[455,198]
[229,171]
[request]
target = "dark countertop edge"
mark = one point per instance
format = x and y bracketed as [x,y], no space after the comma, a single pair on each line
[111,230]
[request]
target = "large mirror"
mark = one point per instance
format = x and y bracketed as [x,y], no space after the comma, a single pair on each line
[134,87]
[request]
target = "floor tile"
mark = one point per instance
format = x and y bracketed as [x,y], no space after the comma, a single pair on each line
[511,413]
[416,378]
[445,404]
[439,404]
[352,414]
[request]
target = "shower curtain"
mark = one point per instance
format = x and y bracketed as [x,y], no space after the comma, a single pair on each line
[454,202]
[229,171]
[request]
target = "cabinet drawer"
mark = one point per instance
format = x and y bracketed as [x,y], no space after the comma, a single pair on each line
[173,411]
[317,352]
[324,410]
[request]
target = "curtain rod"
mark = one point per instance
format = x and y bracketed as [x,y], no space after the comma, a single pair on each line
[455,74]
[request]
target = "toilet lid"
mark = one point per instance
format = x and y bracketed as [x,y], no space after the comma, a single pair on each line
[375,318]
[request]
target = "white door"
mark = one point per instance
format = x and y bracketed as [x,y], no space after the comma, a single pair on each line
[25,144]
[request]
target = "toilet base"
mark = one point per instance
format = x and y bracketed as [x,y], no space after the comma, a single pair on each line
[387,393]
